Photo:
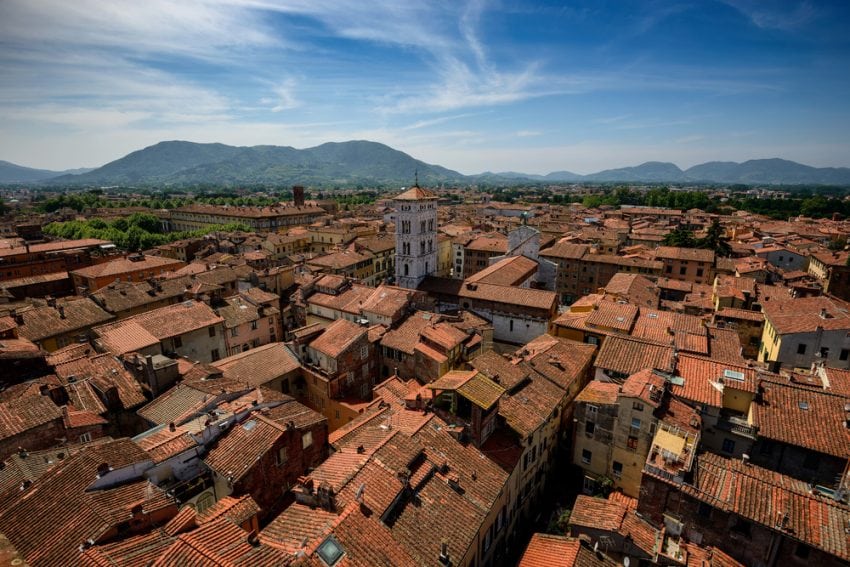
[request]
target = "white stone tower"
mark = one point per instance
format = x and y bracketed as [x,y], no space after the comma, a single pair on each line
[415,236]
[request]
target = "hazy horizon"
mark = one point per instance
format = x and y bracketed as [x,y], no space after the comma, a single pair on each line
[473,86]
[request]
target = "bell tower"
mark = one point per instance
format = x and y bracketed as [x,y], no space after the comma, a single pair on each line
[415,236]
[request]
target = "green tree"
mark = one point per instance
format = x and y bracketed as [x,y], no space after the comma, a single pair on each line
[713,240]
[681,237]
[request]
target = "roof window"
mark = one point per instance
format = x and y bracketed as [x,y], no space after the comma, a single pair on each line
[733,375]
[330,551]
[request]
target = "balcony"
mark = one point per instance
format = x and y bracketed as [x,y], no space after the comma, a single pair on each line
[185,490]
[737,424]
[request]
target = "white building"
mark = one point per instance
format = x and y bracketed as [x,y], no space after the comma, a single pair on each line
[416,236]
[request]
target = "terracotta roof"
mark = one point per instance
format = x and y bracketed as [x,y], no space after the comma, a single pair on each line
[260,365]
[481,391]
[55,527]
[614,516]
[188,397]
[338,337]
[836,380]
[416,193]
[235,453]
[566,251]
[147,329]
[220,542]
[122,266]
[702,378]
[546,550]
[598,392]
[615,316]
[127,552]
[252,212]
[340,260]
[637,289]
[405,337]
[162,443]
[348,301]
[104,372]
[804,315]
[598,513]
[803,417]
[43,322]
[559,360]
[56,246]
[239,311]
[767,498]
[662,325]
[444,335]
[24,413]
[19,349]
[529,407]
[743,314]
[69,352]
[387,301]
[499,369]
[296,524]
[646,385]
[490,242]
[627,355]
[124,337]
[523,297]
[512,271]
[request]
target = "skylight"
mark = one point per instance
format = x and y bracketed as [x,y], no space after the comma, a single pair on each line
[733,375]
[330,551]
[803,405]
[249,425]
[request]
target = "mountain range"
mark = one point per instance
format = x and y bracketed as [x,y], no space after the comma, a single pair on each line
[12,173]
[365,163]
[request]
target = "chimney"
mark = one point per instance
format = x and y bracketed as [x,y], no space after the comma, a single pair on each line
[172,427]
[298,195]
[61,309]
[444,554]
[823,313]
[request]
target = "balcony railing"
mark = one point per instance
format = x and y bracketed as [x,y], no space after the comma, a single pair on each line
[737,425]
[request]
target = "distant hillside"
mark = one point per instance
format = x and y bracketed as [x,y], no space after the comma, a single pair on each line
[754,172]
[646,172]
[345,163]
[768,171]
[12,173]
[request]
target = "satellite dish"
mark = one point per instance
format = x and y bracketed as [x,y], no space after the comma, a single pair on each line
[360,490]
[626,561]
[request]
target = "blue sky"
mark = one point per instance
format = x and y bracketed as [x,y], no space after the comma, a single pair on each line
[522,86]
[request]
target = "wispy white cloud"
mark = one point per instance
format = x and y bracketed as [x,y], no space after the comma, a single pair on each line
[527,133]
[285,98]
[439,120]
[776,14]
